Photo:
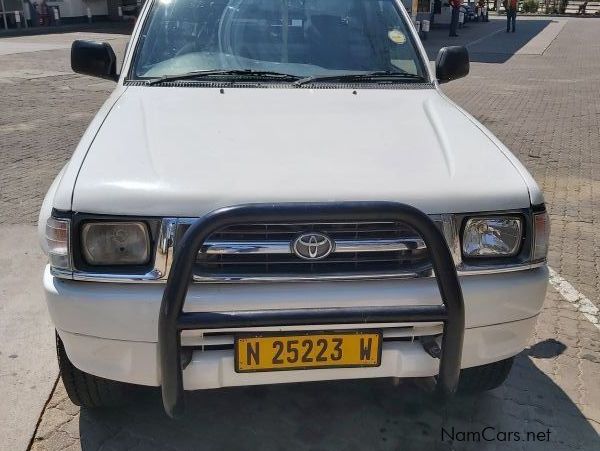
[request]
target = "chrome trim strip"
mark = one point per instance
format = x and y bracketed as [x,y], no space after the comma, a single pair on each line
[466,270]
[401,244]
[151,278]
[166,242]
[246,247]
[300,278]
[450,228]
[189,221]
[284,247]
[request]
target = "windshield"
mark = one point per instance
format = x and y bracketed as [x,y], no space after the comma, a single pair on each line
[304,38]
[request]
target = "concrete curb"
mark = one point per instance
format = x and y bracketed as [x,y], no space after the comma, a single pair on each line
[27,356]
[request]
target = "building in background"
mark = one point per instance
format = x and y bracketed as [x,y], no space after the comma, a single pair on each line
[77,10]
[439,12]
[100,9]
[28,13]
[436,11]
[11,14]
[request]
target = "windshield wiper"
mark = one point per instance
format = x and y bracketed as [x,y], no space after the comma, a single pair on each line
[375,75]
[267,75]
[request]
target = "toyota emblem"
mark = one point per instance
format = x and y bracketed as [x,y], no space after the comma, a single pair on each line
[312,246]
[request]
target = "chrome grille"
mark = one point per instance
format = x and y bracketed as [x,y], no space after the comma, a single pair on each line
[262,251]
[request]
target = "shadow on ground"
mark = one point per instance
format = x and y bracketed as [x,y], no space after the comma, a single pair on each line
[352,415]
[489,42]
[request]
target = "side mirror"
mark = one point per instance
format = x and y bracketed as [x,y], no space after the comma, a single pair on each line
[452,63]
[94,58]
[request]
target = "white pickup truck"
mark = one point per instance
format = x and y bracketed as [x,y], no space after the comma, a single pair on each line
[278,191]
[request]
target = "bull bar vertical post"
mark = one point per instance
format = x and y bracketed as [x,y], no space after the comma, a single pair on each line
[172,319]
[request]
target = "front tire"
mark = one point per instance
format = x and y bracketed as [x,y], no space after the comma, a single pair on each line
[87,390]
[485,377]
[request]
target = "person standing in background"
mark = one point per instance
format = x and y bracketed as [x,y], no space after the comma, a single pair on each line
[437,9]
[454,22]
[480,5]
[511,14]
[35,18]
[27,12]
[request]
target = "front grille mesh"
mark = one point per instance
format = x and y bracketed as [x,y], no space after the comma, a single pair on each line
[288,265]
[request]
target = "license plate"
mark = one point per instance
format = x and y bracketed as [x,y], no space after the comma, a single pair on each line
[307,351]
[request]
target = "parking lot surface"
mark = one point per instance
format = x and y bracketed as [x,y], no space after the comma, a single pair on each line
[538,91]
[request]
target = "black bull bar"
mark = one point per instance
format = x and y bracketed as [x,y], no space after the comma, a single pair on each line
[173,320]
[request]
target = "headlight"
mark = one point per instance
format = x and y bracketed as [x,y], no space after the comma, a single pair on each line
[541,226]
[498,236]
[57,238]
[115,243]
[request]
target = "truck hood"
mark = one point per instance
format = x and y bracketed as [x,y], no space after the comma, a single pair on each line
[167,151]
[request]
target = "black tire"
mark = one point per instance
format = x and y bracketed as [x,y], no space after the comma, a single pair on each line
[87,390]
[485,377]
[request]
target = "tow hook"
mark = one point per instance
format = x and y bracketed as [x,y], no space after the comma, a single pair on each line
[430,345]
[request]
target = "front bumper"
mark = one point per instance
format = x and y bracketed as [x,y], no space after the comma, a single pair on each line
[137,362]
[129,312]
[110,330]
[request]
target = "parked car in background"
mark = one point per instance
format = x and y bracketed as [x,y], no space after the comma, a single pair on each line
[470,11]
[130,7]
